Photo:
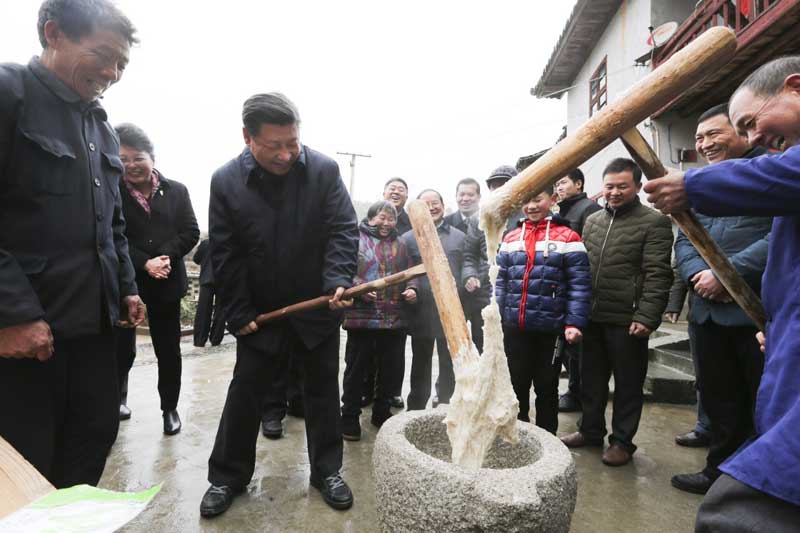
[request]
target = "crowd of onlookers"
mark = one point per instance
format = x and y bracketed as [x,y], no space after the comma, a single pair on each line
[92,235]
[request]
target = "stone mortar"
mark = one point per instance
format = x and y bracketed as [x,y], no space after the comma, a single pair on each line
[530,486]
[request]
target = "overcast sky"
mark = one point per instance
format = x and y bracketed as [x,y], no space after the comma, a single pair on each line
[434,90]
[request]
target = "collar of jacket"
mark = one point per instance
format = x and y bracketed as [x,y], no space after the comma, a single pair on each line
[553,217]
[625,208]
[60,89]
[572,200]
[373,231]
[444,226]
[251,166]
[755,151]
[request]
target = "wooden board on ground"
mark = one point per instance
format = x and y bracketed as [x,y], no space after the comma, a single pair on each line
[20,482]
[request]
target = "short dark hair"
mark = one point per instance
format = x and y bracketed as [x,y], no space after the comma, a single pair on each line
[79,18]
[720,109]
[575,175]
[133,136]
[381,206]
[268,108]
[392,180]
[431,190]
[469,181]
[623,164]
[549,189]
[768,79]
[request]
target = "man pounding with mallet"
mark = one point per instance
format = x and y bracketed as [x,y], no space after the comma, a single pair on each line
[759,488]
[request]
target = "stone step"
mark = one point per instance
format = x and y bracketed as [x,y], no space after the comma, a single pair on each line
[667,385]
[676,359]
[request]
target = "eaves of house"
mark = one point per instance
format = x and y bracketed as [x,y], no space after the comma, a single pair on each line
[584,27]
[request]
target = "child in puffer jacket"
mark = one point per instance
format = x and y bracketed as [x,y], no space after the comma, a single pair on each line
[543,291]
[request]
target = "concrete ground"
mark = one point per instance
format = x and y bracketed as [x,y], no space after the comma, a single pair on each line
[634,498]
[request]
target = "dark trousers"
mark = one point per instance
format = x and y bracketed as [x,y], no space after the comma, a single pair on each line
[164,320]
[609,350]
[233,459]
[731,363]
[733,507]
[208,320]
[396,371]
[286,392]
[62,415]
[383,346]
[473,314]
[572,362]
[530,360]
[421,354]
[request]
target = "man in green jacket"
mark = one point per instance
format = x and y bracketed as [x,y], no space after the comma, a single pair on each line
[629,248]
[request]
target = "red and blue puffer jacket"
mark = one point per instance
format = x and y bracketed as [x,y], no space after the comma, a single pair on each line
[544,282]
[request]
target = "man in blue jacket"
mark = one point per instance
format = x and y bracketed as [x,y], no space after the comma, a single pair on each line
[723,338]
[760,485]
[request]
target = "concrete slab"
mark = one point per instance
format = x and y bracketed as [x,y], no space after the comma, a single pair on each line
[635,498]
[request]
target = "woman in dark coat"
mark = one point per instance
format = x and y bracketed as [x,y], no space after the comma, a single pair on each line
[161,228]
[376,322]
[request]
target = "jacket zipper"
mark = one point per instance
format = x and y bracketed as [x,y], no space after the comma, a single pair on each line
[600,261]
[528,268]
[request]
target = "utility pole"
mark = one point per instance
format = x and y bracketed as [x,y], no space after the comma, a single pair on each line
[353,170]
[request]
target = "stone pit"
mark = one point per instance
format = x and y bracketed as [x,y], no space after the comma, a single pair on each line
[524,487]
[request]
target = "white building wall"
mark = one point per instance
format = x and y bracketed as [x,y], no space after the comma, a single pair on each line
[624,40]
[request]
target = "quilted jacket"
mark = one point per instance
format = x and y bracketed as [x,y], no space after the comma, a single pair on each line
[629,250]
[543,283]
[379,257]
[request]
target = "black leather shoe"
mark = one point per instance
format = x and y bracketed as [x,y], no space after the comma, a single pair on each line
[698,483]
[334,491]
[272,429]
[434,402]
[172,422]
[693,439]
[379,419]
[124,412]
[216,500]
[366,400]
[567,403]
[396,402]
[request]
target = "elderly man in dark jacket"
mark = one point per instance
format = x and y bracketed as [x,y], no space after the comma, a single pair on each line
[576,207]
[65,274]
[723,338]
[630,247]
[426,329]
[282,230]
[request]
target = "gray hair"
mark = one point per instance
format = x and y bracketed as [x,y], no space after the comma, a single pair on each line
[268,108]
[133,136]
[381,206]
[768,79]
[79,18]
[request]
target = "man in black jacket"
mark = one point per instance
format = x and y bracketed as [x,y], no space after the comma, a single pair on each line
[575,206]
[65,274]
[282,230]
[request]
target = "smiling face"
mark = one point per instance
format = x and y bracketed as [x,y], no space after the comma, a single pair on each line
[769,121]
[384,222]
[468,198]
[396,193]
[89,66]
[619,189]
[716,140]
[435,205]
[538,207]
[138,165]
[276,148]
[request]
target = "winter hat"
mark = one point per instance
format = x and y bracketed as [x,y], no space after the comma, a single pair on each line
[503,172]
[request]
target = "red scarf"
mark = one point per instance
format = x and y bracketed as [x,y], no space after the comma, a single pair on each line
[140,198]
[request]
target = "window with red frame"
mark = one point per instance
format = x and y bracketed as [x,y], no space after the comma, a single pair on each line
[598,96]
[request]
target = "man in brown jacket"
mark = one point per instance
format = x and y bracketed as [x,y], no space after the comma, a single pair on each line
[629,248]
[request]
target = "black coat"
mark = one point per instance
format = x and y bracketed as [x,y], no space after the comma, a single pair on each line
[170,229]
[63,254]
[403,222]
[424,318]
[278,240]
[576,210]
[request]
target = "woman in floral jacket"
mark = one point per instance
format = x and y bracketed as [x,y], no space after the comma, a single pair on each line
[376,322]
